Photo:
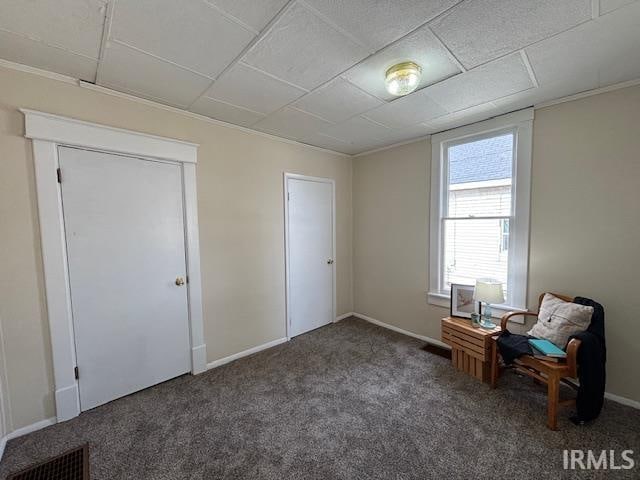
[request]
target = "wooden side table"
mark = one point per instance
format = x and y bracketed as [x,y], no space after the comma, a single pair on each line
[470,347]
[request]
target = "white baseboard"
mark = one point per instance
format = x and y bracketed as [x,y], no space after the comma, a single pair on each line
[610,396]
[23,431]
[622,400]
[343,316]
[424,338]
[251,351]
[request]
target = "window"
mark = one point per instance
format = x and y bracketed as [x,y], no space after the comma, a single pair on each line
[480,206]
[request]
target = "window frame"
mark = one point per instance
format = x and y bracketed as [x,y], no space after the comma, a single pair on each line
[521,124]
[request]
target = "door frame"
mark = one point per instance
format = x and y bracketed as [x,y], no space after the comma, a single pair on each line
[287,261]
[47,132]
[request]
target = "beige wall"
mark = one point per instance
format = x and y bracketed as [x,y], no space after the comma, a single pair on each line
[241,228]
[585,224]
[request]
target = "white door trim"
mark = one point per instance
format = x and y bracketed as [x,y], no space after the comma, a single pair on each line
[308,178]
[47,132]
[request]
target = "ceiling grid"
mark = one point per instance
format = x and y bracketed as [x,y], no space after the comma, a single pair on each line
[312,71]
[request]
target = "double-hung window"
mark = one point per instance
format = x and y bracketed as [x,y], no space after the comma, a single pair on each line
[480,190]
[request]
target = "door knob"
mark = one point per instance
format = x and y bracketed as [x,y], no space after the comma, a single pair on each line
[330,261]
[179,281]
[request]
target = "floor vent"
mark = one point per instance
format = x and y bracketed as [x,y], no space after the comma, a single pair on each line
[71,465]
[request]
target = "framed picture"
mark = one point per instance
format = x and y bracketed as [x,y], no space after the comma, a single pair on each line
[462,302]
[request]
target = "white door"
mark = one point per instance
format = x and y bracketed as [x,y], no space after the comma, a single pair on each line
[123,221]
[310,249]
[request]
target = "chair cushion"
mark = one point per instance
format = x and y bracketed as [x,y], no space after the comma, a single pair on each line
[558,320]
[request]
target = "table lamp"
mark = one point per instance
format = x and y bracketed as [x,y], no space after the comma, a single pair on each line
[489,292]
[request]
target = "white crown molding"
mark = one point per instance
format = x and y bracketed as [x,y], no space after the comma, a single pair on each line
[588,93]
[393,145]
[90,86]
[38,71]
[197,116]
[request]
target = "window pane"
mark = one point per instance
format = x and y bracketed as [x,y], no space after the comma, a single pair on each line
[480,177]
[473,248]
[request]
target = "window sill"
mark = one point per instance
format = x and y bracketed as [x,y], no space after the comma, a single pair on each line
[497,311]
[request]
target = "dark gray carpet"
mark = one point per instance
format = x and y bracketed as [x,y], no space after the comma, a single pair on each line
[348,401]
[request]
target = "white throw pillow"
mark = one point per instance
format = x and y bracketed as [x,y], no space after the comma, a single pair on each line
[558,320]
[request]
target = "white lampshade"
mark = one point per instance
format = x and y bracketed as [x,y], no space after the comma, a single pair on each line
[489,291]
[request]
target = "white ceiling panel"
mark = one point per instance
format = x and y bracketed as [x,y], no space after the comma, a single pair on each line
[337,101]
[358,130]
[292,123]
[477,31]
[502,77]
[604,51]
[19,49]
[249,88]
[255,14]
[377,23]
[325,141]
[190,33]
[313,70]
[126,69]
[607,6]
[462,117]
[421,47]
[408,133]
[406,111]
[74,25]
[304,50]
[225,112]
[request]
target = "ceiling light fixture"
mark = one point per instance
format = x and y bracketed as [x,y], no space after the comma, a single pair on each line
[403,78]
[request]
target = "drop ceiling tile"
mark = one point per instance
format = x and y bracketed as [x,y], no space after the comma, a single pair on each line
[249,88]
[406,134]
[190,33]
[607,6]
[415,108]
[74,25]
[225,112]
[477,31]
[358,130]
[337,101]
[421,47]
[304,50]
[126,69]
[603,52]
[255,14]
[330,143]
[463,117]
[378,23]
[291,123]
[502,77]
[17,48]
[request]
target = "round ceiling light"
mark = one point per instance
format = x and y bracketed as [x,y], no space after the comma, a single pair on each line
[403,78]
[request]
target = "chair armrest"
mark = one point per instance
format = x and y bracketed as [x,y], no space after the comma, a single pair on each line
[507,316]
[572,356]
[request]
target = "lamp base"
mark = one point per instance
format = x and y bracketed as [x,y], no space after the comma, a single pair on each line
[487,324]
[485,321]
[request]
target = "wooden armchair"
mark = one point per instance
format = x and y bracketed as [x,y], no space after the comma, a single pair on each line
[549,373]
